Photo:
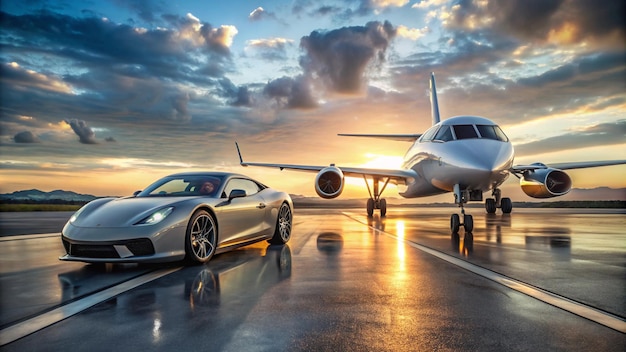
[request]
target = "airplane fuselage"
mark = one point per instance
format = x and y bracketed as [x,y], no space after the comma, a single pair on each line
[468,151]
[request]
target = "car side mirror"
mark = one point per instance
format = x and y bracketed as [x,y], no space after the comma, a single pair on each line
[236,193]
[136,193]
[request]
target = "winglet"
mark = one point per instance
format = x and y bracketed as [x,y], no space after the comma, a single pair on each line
[240,158]
[434,104]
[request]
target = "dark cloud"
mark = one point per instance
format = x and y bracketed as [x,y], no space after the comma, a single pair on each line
[295,93]
[564,21]
[340,57]
[25,137]
[85,134]
[236,96]
[598,135]
[334,61]
[95,42]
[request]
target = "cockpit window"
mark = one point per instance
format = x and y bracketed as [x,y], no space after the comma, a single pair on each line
[465,131]
[492,132]
[444,134]
[428,135]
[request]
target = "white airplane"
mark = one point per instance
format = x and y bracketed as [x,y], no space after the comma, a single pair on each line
[465,155]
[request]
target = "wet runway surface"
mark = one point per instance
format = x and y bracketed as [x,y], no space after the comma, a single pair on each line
[343,283]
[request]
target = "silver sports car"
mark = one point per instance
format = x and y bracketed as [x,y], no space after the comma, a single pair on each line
[189,216]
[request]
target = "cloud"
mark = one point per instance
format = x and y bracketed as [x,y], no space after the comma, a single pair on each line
[597,135]
[341,57]
[25,137]
[92,43]
[85,134]
[559,21]
[13,74]
[236,96]
[269,49]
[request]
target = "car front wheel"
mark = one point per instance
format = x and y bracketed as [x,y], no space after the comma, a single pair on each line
[201,237]
[282,234]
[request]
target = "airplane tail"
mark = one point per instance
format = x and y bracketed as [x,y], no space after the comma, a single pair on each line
[434,104]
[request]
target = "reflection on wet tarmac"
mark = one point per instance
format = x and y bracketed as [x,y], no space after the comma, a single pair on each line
[360,284]
[329,243]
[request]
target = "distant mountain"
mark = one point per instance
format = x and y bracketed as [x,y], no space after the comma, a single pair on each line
[35,195]
[600,193]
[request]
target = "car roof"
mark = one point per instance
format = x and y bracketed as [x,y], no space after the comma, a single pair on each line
[207,173]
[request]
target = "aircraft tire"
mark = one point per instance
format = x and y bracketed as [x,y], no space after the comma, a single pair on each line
[455,223]
[506,205]
[468,223]
[490,205]
[370,207]
[383,207]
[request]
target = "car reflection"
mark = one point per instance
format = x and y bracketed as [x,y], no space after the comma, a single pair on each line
[251,270]
[217,286]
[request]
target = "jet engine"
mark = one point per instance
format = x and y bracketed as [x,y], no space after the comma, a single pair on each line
[545,183]
[329,182]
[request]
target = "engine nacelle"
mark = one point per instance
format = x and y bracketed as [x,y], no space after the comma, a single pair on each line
[546,183]
[329,182]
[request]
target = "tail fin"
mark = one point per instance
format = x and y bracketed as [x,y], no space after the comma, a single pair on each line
[434,104]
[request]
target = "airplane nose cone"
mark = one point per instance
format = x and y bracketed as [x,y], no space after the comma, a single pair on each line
[492,157]
[481,163]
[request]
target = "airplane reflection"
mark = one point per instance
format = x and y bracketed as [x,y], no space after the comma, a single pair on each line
[494,224]
[465,247]
[376,222]
[329,243]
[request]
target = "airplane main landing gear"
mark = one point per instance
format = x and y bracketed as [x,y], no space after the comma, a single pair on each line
[375,202]
[492,204]
[460,198]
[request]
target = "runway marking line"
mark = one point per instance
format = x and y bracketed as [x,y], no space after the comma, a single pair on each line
[27,327]
[29,237]
[588,312]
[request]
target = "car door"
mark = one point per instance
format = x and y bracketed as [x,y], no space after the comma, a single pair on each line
[241,218]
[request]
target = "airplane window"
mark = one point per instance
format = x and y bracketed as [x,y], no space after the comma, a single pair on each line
[465,131]
[428,135]
[487,131]
[492,132]
[444,134]
[501,134]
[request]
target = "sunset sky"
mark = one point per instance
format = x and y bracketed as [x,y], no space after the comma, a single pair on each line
[104,97]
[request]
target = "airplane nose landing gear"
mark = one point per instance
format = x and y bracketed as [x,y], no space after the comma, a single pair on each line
[455,222]
[460,198]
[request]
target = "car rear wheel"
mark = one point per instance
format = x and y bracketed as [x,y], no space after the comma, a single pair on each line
[201,238]
[282,234]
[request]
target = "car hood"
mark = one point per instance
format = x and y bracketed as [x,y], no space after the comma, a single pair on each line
[123,212]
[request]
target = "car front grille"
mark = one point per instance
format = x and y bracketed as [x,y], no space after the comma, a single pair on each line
[139,247]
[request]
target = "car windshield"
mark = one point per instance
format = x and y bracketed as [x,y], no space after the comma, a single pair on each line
[176,186]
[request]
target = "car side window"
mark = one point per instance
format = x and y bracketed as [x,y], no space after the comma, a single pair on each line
[239,183]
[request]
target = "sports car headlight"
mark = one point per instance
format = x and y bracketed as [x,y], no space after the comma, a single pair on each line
[156,217]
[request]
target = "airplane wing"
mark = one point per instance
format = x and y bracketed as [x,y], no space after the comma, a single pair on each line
[399,176]
[566,166]
[394,137]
